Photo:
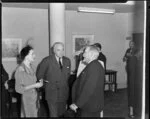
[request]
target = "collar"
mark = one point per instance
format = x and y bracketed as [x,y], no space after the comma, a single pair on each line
[57,58]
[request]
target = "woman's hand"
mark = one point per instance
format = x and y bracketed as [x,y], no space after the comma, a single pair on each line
[39,84]
[36,85]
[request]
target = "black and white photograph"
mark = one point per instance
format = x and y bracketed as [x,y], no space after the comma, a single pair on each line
[11,48]
[71,59]
[81,41]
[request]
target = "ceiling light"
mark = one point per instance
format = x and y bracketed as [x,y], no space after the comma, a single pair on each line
[96,10]
[126,3]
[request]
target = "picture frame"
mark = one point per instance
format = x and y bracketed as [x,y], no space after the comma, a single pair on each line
[11,47]
[80,41]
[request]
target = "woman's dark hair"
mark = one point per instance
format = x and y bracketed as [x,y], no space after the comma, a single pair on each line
[98,45]
[25,51]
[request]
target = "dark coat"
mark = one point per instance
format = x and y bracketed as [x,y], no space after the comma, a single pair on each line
[102,57]
[4,93]
[88,89]
[57,87]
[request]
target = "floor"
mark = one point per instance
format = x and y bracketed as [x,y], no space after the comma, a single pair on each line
[115,105]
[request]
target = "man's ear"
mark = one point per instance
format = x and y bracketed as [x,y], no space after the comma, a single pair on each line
[91,55]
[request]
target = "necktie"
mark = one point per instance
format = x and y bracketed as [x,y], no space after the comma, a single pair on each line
[60,63]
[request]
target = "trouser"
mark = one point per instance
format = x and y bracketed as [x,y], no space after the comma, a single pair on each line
[56,109]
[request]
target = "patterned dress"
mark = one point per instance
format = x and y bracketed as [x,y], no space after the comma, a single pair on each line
[25,77]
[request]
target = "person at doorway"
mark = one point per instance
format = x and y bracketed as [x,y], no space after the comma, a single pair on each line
[131,62]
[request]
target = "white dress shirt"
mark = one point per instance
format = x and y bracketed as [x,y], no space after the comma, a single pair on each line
[80,68]
[57,58]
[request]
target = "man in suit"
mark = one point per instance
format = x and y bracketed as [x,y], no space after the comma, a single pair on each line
[55,70]
[88,89]
[101,56]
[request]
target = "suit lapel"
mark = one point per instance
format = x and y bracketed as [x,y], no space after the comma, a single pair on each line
[82,73]
[55,62]
[63,62]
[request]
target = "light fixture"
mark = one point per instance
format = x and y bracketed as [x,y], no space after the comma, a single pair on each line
[126,3]
[96,10]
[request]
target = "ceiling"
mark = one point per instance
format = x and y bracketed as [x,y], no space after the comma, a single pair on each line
[119,7]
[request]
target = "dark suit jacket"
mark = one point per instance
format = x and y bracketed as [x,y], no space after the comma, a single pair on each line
[57,87]
[88,89]
[4,75]
[102,57]
[4,78]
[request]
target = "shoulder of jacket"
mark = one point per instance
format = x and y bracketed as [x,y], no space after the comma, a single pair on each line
[94,63]
[46,58]
[66,58]
[95,66]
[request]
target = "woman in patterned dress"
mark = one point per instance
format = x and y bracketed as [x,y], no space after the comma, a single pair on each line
[26,83]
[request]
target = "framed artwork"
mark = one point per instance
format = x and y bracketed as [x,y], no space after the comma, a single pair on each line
[11,48]
[80,41]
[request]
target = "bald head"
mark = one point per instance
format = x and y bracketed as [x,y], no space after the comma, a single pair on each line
[91,53]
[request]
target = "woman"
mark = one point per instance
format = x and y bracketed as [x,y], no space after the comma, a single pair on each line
[131,62]
[26,83]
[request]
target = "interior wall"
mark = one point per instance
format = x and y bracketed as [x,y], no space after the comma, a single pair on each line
[109,30]
[26,23]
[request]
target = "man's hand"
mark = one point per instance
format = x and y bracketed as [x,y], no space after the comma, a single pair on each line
[73,107]
[14,100]
[39,84]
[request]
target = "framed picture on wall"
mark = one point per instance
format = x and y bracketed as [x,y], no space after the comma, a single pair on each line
[80,41]
[11,48]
